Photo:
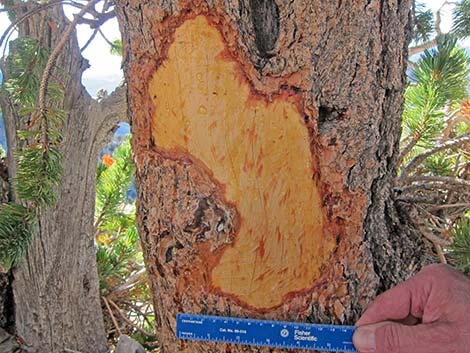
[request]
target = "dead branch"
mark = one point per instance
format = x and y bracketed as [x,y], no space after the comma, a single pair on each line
[125,318]
[438,180]
[112,316]
[132,281]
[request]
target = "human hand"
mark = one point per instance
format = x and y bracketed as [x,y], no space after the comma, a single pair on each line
[429,313]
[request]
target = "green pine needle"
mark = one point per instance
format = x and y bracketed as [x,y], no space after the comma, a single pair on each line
[423,27]
[460,247]
[111,186]
[114,259]
[439,164]
[26,64]
[16,225]
[39,174]
[445,69]
[461,19]
[438,80]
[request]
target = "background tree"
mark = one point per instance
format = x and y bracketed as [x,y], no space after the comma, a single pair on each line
[57,306]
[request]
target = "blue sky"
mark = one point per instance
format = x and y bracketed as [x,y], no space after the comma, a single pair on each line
[105,69]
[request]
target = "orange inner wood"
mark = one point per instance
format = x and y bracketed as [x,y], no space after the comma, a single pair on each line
[259,150]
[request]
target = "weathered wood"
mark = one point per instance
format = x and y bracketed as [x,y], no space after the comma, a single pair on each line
[265,151]
[57,303]
[8,343]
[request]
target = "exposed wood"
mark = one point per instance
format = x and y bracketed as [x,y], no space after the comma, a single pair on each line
[258,151]
[265,157]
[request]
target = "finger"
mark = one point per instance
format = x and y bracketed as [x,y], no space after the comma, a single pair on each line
[392,337]
[398,303]
[410,320]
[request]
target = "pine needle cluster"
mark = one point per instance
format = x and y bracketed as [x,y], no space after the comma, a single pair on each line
[460,247]
[461,15]
[16,223]
[423,24]
[437,82]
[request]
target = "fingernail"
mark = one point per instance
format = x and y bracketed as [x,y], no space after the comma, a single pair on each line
[364,339]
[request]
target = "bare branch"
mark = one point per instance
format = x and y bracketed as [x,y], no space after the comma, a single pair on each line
[422,47]
[111,44]
[447,206]
[99,19]
[112,316]
[47,70]
[95,32]
[407,149]
[24,17]
[131,282]
[125,318]
[439,179]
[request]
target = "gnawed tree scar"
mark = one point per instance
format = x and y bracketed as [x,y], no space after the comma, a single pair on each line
[257,150]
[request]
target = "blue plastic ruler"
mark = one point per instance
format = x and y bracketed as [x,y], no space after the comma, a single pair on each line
[252,332]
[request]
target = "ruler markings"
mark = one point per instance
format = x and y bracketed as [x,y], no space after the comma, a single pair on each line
[267,333]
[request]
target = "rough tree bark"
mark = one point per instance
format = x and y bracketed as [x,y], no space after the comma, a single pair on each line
[6,295]
[57,303]
[265,136]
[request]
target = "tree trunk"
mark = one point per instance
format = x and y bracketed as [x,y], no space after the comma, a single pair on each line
[265,136]
[6,295]
[57,303]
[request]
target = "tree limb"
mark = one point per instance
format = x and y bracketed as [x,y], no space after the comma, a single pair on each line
[112,316]
[442,147]
[47,70]
[132,281]
[422,47]
[439,179]
[125,318]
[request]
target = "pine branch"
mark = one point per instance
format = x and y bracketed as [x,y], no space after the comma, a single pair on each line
[454,143]
[437,28]
[414,140]
[16,229]
[446,181]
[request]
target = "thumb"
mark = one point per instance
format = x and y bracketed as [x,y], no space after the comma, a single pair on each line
[392,337]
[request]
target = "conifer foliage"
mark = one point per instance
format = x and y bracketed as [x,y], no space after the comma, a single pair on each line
[122,275]
[433,180]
